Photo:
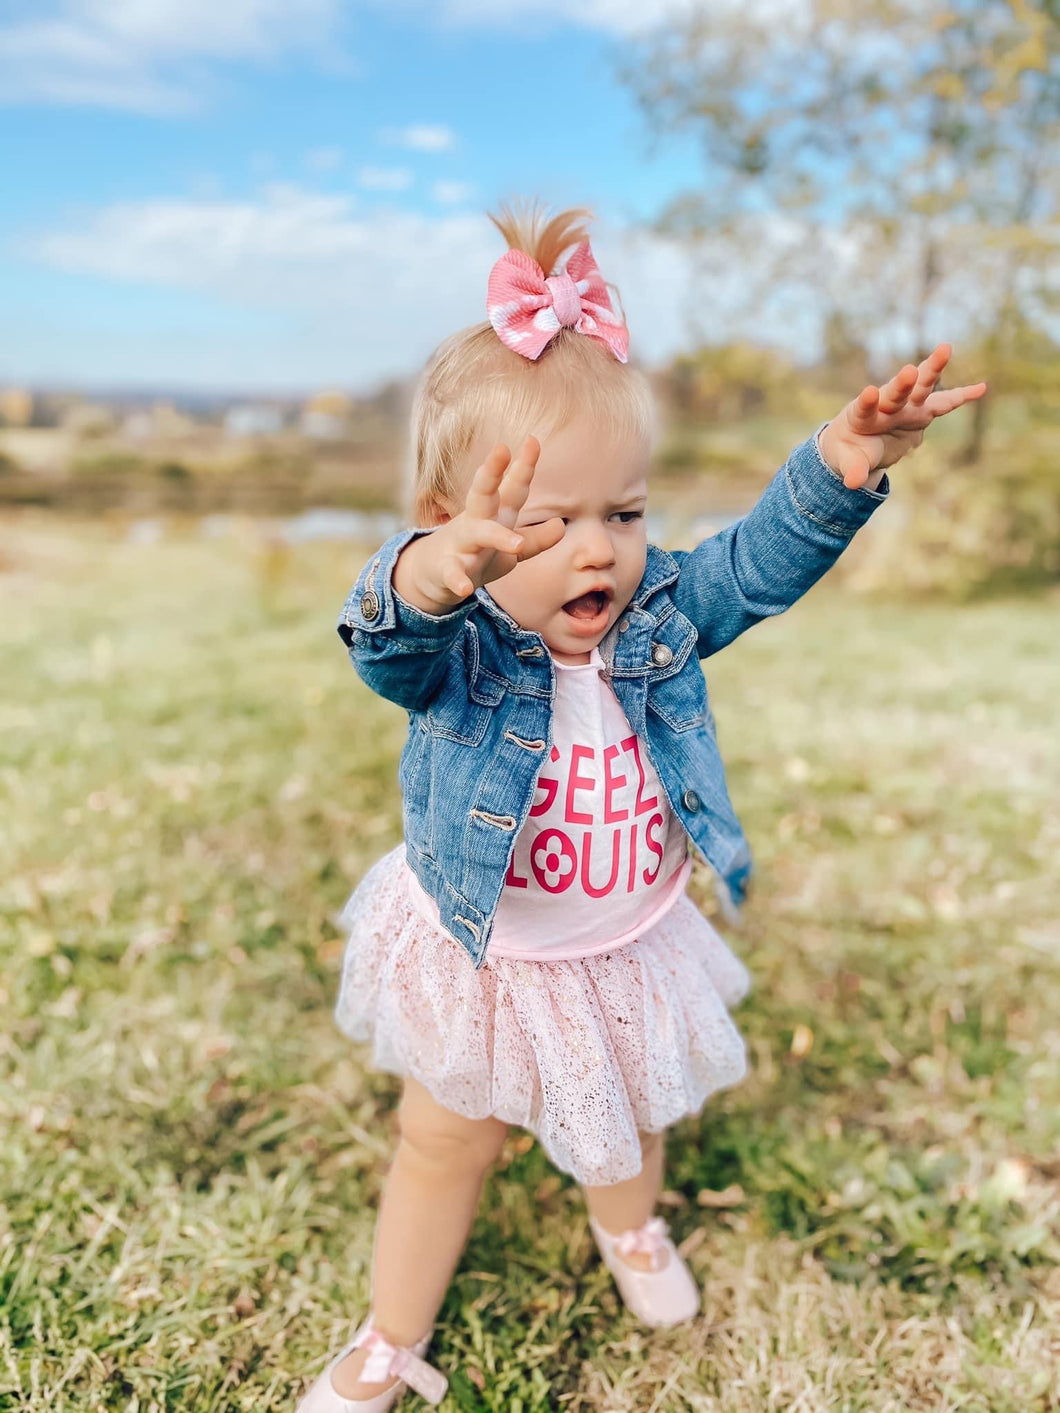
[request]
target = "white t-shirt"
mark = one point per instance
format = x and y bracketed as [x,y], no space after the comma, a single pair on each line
[601,856]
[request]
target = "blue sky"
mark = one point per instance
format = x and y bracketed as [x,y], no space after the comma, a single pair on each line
[263,194]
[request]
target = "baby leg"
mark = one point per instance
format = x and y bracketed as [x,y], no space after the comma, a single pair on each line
[622,1205]
[427,1209]
[425,1214]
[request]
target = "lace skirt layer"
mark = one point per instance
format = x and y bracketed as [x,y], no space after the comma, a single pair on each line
[581,1053]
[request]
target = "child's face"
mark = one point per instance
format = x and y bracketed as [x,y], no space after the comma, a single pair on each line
[600,488]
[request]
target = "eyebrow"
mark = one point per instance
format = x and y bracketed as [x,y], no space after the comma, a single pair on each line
[570,505]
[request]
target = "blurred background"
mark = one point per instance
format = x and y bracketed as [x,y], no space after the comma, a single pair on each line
[231,235]
[234,234]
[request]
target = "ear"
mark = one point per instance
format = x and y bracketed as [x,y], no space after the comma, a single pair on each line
[443,510]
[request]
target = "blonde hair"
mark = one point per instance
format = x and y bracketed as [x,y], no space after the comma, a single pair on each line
[473,383]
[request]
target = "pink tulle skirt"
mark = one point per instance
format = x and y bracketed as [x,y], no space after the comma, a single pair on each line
[582,1053]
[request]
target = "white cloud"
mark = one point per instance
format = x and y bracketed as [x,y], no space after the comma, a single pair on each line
[384,178]
[373,290]
[356,295]
[235,28]
[155,56]
[362,289]
[621,17]
[451,193]
[148,55]
[324,159]
[421,137]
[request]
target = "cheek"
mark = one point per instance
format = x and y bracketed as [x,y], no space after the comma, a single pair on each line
[636,557]
[518,589]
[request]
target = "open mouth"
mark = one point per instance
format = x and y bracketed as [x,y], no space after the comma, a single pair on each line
[588,609]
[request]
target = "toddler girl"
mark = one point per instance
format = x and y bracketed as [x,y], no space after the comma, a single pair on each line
[528,954]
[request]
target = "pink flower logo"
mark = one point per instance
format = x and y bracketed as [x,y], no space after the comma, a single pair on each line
[554,860]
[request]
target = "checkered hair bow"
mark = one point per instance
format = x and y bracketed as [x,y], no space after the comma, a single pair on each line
[527,309]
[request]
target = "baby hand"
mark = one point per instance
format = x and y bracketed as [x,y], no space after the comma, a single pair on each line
[480,545]
[882,424]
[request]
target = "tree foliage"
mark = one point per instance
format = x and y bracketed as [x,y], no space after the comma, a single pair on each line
[895,157]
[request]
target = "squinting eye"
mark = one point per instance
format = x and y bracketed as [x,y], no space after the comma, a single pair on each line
[633,515]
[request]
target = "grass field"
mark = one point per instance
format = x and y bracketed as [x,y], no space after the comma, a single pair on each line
[193,779]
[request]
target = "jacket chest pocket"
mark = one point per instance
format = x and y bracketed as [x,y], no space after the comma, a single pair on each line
[677,691]
[465,718]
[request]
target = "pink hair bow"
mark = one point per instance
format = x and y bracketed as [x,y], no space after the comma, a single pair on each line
[527,309]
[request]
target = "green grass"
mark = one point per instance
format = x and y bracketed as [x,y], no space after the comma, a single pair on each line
[193,779]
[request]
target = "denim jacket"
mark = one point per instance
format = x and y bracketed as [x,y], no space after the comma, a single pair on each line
[479,689]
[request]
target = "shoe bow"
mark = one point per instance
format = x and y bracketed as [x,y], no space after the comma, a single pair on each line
[386,1359]
[649,1239]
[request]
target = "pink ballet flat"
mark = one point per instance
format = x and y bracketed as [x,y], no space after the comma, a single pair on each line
[660,1297]
[384,1360]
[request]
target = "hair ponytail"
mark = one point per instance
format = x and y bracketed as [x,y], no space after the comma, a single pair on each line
[523,230]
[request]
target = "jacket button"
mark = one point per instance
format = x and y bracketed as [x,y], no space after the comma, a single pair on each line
[661,654]
[369,605]
[624,625]
[691,801]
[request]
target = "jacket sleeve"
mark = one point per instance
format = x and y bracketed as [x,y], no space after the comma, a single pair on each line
[396,648]
[765,561]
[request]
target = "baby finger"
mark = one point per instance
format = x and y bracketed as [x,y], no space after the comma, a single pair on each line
[894,393]
[481,498]
[537,538]
[928,374]
[947,399]
[481,534]
[454,578]
[520,473]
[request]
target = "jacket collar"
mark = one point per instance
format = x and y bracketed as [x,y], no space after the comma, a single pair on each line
[660,568]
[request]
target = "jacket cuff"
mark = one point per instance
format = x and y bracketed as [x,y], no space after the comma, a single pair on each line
[818,490]
[374,606]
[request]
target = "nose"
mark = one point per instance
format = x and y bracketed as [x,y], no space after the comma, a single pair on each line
[595,549]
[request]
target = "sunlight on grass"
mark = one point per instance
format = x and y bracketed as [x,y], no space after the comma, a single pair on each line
[193,780]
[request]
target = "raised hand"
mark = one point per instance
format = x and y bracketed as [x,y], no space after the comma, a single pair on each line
[480,544]
[882,425]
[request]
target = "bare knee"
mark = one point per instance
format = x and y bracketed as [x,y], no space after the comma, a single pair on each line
[439,1138]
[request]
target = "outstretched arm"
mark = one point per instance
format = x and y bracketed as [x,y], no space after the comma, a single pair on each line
[810,511]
